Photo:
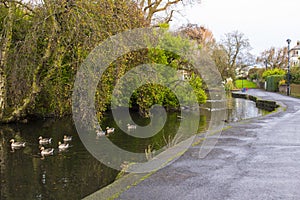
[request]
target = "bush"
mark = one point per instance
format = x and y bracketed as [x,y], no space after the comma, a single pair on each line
[253,77]
[282,82]
[229,85]
[295,75]
[253,74]
[271,72]
[273,82]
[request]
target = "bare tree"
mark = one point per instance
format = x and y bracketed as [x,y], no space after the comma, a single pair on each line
[237,47]
[151,8]
[219,56]
[274,58]
[202,35]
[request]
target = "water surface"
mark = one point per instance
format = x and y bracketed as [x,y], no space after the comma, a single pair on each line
[74,174]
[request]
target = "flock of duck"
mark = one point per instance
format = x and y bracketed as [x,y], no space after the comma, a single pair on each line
[44,141]
[109,130]
[62,146]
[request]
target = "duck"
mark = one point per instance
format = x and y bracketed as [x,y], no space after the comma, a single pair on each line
[44,140]
[67,138]
[46,152]
[63,146]
[131,126]
[100,133]
[109,130]
[17,144]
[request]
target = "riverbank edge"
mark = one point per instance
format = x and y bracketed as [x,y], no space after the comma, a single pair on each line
[115,189]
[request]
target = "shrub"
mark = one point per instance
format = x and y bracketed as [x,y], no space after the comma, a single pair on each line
[295,75]
[273,82]
[229,85]
[271,72]
[282,82]
[253,77]
[253,74]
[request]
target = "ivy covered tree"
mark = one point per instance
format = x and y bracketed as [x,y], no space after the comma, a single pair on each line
[42,46]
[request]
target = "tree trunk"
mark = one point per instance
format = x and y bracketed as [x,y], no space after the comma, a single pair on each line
[6,40]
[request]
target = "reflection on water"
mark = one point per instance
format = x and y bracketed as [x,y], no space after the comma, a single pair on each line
[74,173]
[71,174]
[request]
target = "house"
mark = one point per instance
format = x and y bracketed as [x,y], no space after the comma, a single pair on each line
[295,55]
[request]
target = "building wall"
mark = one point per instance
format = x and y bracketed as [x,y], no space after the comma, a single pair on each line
[295,55]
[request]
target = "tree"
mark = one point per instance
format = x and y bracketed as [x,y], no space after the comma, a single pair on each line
[155,91]
[219,56]
[236,46]
[202,35]
[6,40]
[42,54]
[275,58]
[151,9]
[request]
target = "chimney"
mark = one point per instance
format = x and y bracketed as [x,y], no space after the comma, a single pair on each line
[298,42]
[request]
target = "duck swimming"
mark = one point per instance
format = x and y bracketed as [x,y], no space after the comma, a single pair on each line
[62,146]
[46,152]
[44,140]
[131,126]
[109,130]
[17,144]
[67,138]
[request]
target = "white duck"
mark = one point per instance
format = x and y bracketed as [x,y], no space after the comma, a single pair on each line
[63,146]
[44,140]
[109,130]
[67,138]
[17,144]
[46,152]
[131,126]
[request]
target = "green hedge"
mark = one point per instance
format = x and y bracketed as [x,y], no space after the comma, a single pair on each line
[295,75]
[272,82]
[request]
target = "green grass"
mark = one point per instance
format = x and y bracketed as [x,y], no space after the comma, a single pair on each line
[244,84]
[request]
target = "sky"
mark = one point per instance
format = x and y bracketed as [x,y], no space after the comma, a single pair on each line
[266,23]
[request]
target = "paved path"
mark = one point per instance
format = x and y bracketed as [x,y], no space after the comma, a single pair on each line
[257,160]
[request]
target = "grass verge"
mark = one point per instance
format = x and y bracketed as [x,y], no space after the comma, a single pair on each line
[245,84]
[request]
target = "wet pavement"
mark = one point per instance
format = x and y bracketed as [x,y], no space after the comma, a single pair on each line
[255,159]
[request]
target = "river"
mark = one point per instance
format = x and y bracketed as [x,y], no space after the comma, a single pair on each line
[75,173]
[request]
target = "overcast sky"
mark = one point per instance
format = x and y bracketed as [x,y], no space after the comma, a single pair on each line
[265,23]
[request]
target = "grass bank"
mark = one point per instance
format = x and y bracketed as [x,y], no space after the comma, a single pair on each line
[244,84]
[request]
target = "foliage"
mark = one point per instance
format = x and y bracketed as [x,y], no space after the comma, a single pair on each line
[273,82]
[49,42]
[42,46]
[253,74]
[229,85]
[197,85]
[245,84]
[219,57]
[165,69]
[271,72]
[282,82]
[295,75]
[253,77]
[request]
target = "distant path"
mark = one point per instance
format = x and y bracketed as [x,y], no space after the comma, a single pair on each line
[258,159]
